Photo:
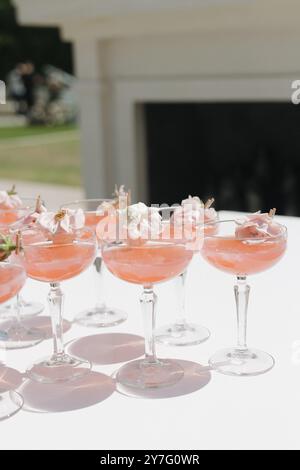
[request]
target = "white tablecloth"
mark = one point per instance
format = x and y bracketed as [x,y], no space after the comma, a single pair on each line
[227,412]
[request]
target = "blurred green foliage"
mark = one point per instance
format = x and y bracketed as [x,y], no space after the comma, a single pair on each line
[37,44]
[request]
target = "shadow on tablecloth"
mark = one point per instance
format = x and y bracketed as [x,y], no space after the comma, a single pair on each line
[81,393]
[108,348]
[196,376]
[43,323]
[10,378]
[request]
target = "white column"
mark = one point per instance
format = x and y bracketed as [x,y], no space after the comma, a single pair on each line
[128,153]
[94,119]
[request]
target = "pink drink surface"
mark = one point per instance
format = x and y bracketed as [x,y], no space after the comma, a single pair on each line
[147,264]
[210,230]
[11,216]
[50,262]
[242,256]
[192,235]
[92,219]
[12,279]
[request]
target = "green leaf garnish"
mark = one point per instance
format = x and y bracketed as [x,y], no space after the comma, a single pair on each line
[7,246]
[12,191]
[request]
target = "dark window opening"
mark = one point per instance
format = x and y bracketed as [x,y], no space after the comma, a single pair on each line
[246,155]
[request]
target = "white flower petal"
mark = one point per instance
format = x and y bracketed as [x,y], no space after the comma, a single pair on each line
[78,219]
[47,221]
[11,201]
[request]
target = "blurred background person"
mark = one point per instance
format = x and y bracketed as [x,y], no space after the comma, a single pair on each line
[28,76]
[16,88]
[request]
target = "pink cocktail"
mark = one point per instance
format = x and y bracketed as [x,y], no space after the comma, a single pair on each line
[147,262]
[9,217]
[50,262]
[14,211]
[13,334]
[92,219]
[242,249]
[243,257]
[12,217]
[54,258]
[12,279]
[192,221]
[100,315]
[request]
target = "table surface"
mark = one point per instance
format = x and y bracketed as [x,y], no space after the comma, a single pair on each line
[206,410]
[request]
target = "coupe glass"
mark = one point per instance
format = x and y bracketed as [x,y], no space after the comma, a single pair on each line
[11,219]
[54,260]
[101,315]
[147,263]
[242,257]
[182,332]
[13,334]
[12,279]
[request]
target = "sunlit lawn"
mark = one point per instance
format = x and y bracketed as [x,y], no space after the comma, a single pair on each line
[13,132]
[32,154]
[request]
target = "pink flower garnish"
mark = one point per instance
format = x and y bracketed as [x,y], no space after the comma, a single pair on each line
[121,200]
[140,222]
[64,220]
[193,211]
[210,215]
[33,217]
[257,225]
[10,200]
[105,207]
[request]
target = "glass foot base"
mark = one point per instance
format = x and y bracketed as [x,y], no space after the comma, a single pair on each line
[31,309]
[6,310]
[16,336]
[27,309]
[141,375]
[186,334]
[101,317]
[10,403]
[61,368]
[241,363]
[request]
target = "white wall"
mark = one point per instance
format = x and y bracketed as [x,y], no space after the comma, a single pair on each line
[204,55]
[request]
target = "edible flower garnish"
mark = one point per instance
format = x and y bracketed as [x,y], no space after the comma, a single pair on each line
[121,199]
[258,225]
[140,222]
[39,209]
[7,246]
[10,199]
[193,211]
[65,220]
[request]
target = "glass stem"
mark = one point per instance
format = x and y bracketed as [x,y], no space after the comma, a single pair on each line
[148,302]
[98,265]
[56,301]
[17,309]
[180,321]
[241,292]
